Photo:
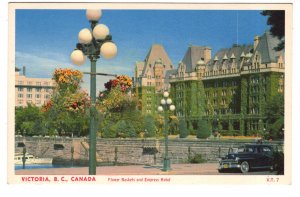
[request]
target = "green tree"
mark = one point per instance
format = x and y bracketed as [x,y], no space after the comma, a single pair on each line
[183,130]
[173,124]
[66,112]
[129,130]
[120,106]
[159,122]
[149,126]
[274,111]
[276,19]
[109,129]
[29,121]
[203,130]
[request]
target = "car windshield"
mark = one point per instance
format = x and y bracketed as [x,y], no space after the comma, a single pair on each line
[241,149]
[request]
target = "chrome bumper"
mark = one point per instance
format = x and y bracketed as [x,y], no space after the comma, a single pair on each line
[229,165]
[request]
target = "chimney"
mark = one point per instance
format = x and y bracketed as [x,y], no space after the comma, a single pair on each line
[24,70]
[256,41]
[207,54]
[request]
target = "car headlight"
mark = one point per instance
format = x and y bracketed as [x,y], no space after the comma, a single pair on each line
[236,159]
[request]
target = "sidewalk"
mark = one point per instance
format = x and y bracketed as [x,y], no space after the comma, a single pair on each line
[176,169]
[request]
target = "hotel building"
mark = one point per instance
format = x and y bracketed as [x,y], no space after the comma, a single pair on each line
[230,90]
[36,91]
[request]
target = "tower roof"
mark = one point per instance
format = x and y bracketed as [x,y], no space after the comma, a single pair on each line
[157,52]
[266,46]
[192,56]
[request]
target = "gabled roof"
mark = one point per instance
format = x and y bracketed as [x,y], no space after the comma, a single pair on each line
[156,53]
[192,56]
[266,46]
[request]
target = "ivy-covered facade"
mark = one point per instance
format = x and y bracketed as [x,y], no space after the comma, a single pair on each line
[230,90]
[234,87]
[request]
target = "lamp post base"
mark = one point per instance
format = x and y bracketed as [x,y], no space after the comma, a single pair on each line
[167,165]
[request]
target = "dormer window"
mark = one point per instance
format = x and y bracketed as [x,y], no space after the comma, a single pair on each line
[242,55]
[225,57]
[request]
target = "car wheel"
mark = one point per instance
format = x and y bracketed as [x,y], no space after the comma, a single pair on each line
[220,170]
[245,167]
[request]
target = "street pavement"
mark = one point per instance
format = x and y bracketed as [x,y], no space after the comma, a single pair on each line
[176,169]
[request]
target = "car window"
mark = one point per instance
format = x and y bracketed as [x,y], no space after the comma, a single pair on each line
[233,150]
[241,149]
[266,150]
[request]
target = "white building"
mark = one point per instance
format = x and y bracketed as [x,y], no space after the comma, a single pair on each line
[31,90]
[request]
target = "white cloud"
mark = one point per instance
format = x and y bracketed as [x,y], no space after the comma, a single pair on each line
[38,66]
[44,64]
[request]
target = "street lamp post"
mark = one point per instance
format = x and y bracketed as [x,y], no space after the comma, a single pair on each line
[164,107]
[93,43]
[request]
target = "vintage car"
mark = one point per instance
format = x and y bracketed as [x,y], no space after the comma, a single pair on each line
[248,157]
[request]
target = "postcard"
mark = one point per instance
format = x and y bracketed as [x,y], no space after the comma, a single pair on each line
[149,93]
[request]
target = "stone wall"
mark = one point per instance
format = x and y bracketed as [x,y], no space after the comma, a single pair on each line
[129,151]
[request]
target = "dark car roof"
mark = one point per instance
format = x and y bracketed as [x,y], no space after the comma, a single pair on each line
[256,145]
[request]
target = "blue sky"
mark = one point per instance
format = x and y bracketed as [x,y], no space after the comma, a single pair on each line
[46,38]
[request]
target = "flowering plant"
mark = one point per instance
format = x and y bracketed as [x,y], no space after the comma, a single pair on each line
[116,96]
[123,81]
[77,102]
[67,78]
[67,94]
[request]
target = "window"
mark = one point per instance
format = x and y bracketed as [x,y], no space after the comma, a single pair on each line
[207,94]
[223,92]
[29,95]
[38,89]
[47,96]
[38,83]
[20,82]
[29,89]
[20,89]
[37,96]
[280,65]
[29,83]
[234,101]
[20,95]
[223,101]
[266,150]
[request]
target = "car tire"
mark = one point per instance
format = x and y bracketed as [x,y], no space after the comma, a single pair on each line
[245,167]
[220,170]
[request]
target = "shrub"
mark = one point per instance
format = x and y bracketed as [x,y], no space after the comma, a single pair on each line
[203,131]
[197,158]
[183,129]
[149,127]
[109,130]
